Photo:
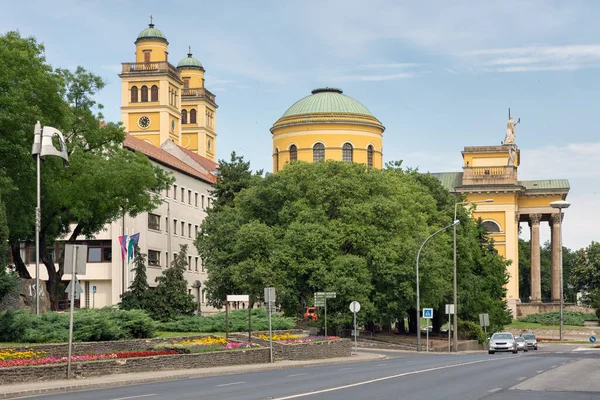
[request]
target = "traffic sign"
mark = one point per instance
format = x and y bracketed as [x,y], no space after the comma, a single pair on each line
[592,339]
[80,261]
[238,297]
[355,306]
[78,289]
[93,289]
[450,309]
[484,319]
[428,313]
[270,294]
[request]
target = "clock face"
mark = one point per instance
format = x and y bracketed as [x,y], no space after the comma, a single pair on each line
[144,122]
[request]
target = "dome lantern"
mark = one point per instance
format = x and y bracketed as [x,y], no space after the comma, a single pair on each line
[190,62]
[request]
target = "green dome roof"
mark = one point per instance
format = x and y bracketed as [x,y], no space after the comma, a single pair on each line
[151,33]
[327,100]
[190,63]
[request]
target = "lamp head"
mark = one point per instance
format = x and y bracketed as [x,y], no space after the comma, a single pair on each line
[488,201]
[456,222]
[560,204]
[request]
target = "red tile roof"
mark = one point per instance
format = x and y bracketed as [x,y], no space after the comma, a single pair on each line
[161,156]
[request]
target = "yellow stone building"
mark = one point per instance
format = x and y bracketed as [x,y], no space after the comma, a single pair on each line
[327,125]
[160,101]
[491,172]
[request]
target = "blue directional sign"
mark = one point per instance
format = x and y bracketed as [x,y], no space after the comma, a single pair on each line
[428,313]
[592,339]
[94,289]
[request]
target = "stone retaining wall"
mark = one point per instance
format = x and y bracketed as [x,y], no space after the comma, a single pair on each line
[85,369]
[304,351]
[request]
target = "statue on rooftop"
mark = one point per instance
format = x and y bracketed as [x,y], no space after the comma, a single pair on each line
[511,129]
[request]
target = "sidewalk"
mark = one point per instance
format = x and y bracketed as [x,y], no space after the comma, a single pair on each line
[37,388]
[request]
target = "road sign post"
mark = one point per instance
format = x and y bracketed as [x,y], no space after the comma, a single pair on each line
[428,315]
[270,300]
[484,321]
[93,296]
[76,255]
[449,311]
[321,301]
[355,307]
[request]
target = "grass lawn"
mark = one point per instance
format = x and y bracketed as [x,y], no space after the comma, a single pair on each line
[531,325]
[186,334]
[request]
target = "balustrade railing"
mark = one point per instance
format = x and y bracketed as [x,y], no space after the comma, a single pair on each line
[198,92]
[150,67]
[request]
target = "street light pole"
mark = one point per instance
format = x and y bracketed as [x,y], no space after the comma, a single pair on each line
[560,204]
[454,285]
[418,293]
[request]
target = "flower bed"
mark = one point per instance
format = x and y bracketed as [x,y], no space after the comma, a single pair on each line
[206,344]
[38,360]
[288,338]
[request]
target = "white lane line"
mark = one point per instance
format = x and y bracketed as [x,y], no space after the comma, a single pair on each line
[521,378]
[494,390]
[540,371]
[135,397]
[381,365]
[554,366]
[385,378]
[289,376]
[229,384]
[345,369]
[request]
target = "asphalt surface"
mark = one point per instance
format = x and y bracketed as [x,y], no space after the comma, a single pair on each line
[552,372]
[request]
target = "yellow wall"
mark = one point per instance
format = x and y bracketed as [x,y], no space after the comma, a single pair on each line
[538,201]
[135,116]
[157,50]
[195,76]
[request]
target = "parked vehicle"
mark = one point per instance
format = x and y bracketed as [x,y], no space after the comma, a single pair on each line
[502,341]
[521,344]
[311,313]
[531,340]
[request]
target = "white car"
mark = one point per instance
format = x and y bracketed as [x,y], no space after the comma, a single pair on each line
[502,341]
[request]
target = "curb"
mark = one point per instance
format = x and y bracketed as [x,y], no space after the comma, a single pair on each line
[174,375]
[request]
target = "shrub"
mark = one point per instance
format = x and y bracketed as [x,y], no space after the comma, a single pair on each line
[575,318]
[238,322]
[468,330]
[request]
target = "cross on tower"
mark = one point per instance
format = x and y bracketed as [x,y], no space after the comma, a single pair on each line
[150,19]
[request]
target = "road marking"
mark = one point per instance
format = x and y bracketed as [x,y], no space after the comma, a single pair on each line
[554,366]
[521,378]
[345,369]
[385,378]
[135,397]
[232,383]
[289,376]
[540,371]
[494,390]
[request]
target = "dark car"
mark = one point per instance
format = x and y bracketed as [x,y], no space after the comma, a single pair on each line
[531,340]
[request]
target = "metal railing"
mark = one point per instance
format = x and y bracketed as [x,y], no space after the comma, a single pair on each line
[149,68]
[198,92]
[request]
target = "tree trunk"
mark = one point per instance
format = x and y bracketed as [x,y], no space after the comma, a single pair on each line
[401,326]
[21,268]
[412,322]
[53,276]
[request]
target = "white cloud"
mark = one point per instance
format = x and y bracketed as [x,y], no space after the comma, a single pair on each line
[576,160]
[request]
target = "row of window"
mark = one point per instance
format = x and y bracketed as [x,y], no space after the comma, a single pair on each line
[184,116]
[143,91]
[98,252]
[154,259]
[319,154]
[198,199]
[154,224]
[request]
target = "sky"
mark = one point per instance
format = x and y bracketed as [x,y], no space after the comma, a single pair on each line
[440,75]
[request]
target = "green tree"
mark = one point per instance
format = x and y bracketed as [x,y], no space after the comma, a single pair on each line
[136,297]
[585,274]
[234,176]
[104,180]
[8,279]
[170,299]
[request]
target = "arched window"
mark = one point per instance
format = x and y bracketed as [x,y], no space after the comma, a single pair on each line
[347,152]
[370,156]
[318,152]
[293,153]
[276,159]
[154,93]
[184,116]
[491,226]
[134,94]
[192,116]
[144,93]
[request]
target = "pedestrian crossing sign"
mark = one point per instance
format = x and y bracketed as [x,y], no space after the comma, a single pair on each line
[428,313]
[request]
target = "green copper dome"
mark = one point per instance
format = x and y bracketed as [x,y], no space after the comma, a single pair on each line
[190,63]
[327,100]
[151,33]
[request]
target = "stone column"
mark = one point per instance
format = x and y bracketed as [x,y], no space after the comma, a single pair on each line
[555,243]
[536,279]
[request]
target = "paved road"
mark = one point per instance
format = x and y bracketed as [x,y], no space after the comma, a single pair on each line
[553,372]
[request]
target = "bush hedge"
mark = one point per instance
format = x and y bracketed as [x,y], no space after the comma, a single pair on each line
[575,318]
[238,322]
[468,330]
[88,326]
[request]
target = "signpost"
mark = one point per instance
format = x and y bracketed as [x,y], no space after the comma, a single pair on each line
[270,298]
[592,339]
[428,315]
[355,307]
[449,311]
[484,321]
[75,259]
[94,296]
[321,301]
[239,297]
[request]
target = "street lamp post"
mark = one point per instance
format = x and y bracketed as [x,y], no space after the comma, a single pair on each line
[454,286]
[418,294]
[560,204]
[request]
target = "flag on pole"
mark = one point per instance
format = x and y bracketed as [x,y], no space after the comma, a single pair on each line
[133,241]
[123,243]
[43,143]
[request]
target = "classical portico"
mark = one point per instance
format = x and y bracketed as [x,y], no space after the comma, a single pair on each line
[491,172]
